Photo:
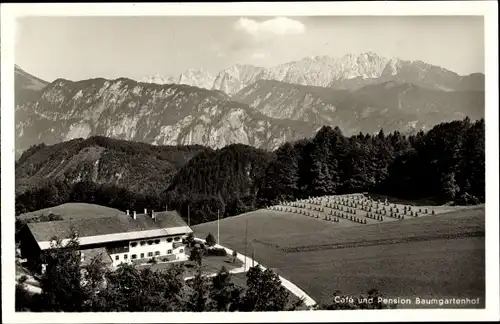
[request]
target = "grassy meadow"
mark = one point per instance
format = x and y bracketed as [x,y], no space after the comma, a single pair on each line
[435,256]
[70,211]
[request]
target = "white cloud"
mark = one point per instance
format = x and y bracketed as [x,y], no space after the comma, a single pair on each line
[275,26]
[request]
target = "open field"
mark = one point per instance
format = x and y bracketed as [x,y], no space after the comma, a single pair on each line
[440,255]
[74,211]
[358,209]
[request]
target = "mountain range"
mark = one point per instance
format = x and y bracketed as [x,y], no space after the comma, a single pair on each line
[157,114]
[262,107]
[347,72]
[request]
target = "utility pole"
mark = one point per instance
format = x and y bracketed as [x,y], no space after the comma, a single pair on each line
[246,243]
[253,257]
[218,241]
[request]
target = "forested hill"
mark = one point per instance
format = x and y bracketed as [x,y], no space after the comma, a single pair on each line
[54,171]
[226,180]
[445,164]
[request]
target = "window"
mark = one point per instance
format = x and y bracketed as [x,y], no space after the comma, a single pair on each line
[177,238]
[134,244]
[181,250]
[134,256]
[125,256]
[157,241]
[150,254]
[143,243]
[157,253]
[169,240]
[142,255]
[117,257]
[150,242]
[169,252]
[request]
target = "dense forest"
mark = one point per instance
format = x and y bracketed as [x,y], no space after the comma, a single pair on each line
[445,164]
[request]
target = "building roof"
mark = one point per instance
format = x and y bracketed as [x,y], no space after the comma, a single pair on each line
[119,224]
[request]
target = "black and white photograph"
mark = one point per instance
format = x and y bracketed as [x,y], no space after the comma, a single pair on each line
[236,157]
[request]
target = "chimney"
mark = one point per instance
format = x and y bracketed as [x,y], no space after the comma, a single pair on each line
[128,212]
[135,215]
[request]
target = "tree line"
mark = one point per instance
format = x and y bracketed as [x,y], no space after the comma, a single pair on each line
[445,164]
[68,285]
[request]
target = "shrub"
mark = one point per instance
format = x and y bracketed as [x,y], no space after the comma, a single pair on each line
[195,256]
[190,239]
[210,239]
[217,252]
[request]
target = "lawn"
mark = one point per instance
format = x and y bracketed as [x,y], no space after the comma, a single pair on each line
[438,255]
[210,264]
[75,211]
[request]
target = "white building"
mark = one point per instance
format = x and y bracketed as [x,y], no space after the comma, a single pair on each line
[125,238]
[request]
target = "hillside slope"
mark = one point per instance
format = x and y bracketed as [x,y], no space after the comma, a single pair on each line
[138,167]
[223,181]
[390,105]
[71,211]
[151,113]
[27,87]
[402,269]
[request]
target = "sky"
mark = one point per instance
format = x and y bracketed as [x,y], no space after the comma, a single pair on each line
[78,48]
